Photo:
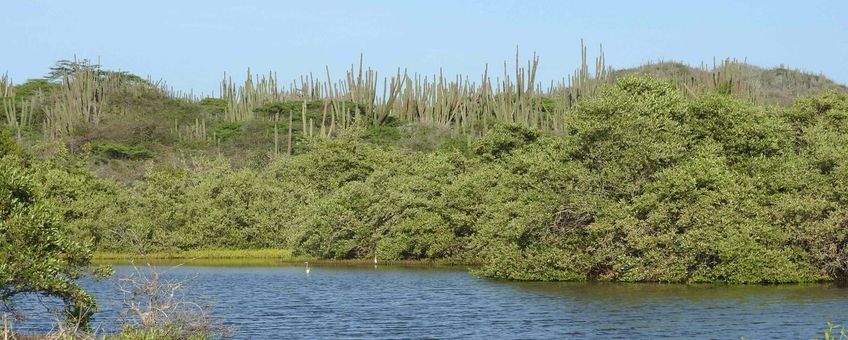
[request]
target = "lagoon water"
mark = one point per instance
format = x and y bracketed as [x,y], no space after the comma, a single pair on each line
[393,302]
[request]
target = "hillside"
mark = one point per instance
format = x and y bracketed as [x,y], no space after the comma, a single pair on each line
[618,177]
[127,124]
[769,86]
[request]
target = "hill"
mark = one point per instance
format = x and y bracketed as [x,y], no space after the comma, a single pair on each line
[768,86]
[618,177]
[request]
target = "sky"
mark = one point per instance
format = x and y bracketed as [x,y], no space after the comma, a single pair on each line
[191,44]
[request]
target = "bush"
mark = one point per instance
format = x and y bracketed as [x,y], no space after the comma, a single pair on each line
[503,139]
[115,150]
[34,86]
[213,105]
[38,254]
[642,184]
[227,131]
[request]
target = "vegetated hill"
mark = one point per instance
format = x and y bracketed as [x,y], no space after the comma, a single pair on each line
[127,124]
[647,184]
[768,86]
[626,179]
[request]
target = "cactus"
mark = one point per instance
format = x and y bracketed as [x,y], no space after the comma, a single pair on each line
[460,104]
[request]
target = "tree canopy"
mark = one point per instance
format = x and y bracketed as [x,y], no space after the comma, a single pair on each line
[37,253]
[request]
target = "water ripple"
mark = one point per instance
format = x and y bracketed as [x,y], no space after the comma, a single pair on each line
[425,303]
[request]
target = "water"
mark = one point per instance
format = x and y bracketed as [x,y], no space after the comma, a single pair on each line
[423,302]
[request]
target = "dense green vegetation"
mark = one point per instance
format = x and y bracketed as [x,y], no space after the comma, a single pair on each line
[770,86]
[38,255]
[643,183]
[619,177]
[680,175]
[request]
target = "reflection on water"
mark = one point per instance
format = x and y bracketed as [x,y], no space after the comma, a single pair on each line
[634,293]
[445,302]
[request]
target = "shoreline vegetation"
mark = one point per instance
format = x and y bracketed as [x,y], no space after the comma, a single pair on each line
[254,257]
[207,254]
[663,173]
[223,257]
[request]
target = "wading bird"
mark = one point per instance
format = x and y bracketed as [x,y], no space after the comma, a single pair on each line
[307,268]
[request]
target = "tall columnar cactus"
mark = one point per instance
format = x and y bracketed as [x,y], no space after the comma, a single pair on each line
[6,86]
[457,103]
[83,95]
[17,111]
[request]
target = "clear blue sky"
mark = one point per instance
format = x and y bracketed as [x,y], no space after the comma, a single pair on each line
[192,43]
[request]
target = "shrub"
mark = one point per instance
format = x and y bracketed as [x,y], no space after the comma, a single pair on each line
[503,139]
[115,150]
[227,131]
[213,105]
[38,255]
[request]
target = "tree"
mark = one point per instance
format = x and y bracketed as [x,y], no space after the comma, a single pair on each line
[37,256]
[67,67]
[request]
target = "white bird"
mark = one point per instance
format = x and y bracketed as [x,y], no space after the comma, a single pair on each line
[375,259]
[307,268]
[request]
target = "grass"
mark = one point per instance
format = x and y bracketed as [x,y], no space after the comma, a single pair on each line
[204,257]
[246,257]
[206,254]
[834,332]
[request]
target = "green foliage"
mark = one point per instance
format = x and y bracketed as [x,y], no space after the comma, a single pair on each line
[724,120]
[548,104]
[34,86]
[829,108]
[165,332]
[213,105]
[65,67]
[287,107]
[643,183]
[38,254]
[776,86]
[834,332]
[209,205]
[503,139]
[423,138]
[81,199]
[725,88]
[8,145]
[673,196]
[393,212]
[227,131]
[637,182]
[114,150]
[382,135]
[632,130]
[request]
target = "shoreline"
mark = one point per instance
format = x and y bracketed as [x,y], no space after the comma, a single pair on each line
[269,257]
[247,257]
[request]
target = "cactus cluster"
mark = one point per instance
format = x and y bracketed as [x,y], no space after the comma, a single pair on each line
[17,111]
[457,103]
[85,94]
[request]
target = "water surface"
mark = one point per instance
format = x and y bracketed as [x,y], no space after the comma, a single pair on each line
[281,301]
